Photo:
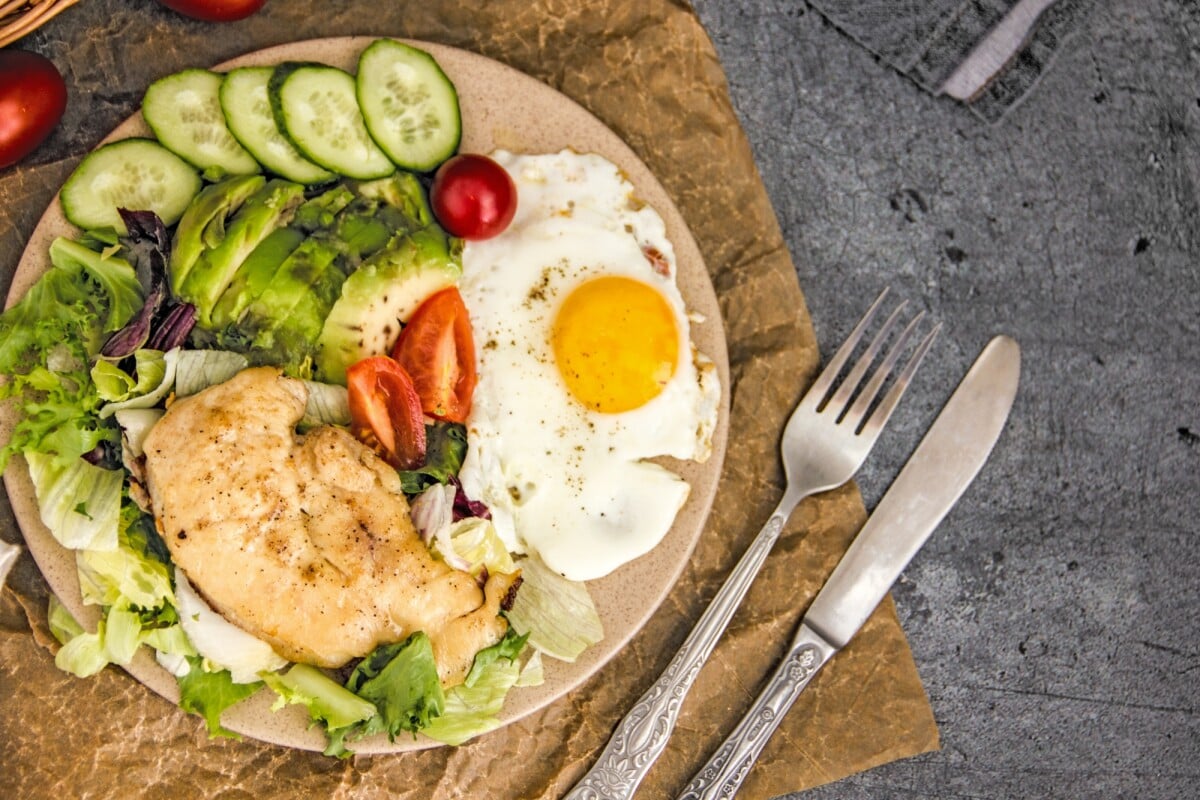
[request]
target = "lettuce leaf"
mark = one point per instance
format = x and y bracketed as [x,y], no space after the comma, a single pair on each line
[46,343]
[62,624]
[339,710]
[558,614]
[473,710]
[199,369]
[210,693]
[507,648]
[401,680]
[475,541]
[445,449]
[328,404]
[78,502]
[113,384]
[135,573]
[154,390]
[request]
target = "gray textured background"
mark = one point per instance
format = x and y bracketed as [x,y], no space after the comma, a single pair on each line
[1053,614]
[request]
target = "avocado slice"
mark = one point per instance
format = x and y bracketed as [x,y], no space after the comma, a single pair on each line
[269,208]
[255,275]
[202,225]
[403,192]
[285,321]
[320,212]
[383,293]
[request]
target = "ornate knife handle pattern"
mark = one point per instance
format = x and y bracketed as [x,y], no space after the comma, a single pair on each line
[642,735]
[722,776]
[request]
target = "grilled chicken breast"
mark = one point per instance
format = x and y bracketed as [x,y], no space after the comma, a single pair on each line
[305,541]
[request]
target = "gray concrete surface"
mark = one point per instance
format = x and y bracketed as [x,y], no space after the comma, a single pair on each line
[1053,615]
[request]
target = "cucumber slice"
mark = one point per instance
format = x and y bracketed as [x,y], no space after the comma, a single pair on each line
[135,174]
[315,105]
[410,106]
[247,108]
[185,114]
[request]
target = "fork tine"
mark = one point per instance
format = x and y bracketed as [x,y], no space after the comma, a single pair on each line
[883,411]
[841,398]
[855,415]
[820,388]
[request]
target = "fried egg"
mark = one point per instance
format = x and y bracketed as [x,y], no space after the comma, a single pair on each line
[586,369]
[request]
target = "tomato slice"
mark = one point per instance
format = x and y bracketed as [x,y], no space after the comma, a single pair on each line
[437,349]
[385,411]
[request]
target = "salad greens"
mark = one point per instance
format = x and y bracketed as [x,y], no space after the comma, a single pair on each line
[47,343]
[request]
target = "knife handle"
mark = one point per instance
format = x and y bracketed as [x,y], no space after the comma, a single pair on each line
[641,736]
[722,776]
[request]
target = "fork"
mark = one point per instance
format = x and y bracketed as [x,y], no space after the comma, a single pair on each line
[826,440]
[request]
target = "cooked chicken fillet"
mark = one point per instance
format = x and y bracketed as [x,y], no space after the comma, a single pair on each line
[305,541]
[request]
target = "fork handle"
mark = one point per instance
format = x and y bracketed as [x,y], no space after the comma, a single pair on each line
[642,734]
[722,776]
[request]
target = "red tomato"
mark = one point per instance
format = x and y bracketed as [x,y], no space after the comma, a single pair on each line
[437,349]
[33,98]
[386,411]
[215,10]
[473,197]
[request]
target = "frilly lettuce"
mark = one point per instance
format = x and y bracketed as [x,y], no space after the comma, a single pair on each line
[47,341]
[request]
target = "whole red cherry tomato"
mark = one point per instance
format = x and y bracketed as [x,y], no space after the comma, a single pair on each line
[473,197]
[33,97]
[215,10]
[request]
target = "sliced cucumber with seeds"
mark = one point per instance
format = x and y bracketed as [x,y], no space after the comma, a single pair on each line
[134,174]
[185,114]
[315,105]
[410,106]
[247,107]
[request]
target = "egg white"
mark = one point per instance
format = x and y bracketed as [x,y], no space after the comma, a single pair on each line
[566,482]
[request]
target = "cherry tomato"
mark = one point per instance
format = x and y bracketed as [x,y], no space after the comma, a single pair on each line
[473,197]
[437,349]
[33,98]
[385,411]
[215,10]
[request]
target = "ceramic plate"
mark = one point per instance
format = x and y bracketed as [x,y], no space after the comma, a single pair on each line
[501,108]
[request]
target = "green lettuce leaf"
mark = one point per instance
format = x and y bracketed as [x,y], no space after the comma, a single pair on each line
[162,375]
[475,540]
[62,624]
[210,693]
[507,648]
[445,449]
[401,680]
[338,709]
[328,404]
[134,573]
[47,341]
[199,369]
[113,384]
[114,277]
[558,614]
[472,710]
[79,503]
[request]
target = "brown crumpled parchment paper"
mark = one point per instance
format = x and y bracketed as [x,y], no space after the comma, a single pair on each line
[648,70]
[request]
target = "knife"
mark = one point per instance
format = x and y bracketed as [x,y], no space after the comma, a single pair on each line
[936,475]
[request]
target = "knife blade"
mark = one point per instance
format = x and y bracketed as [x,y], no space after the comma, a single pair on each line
[931,482]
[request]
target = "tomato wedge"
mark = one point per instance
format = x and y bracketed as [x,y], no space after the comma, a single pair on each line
[437,349]
[385,411]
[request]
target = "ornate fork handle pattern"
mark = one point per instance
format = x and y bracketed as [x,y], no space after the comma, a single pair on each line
[642,735]
[722,776]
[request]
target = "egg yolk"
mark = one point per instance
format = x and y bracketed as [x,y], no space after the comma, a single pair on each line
[616,343]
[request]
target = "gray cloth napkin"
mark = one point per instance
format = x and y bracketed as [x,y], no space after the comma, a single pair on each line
[987,54]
